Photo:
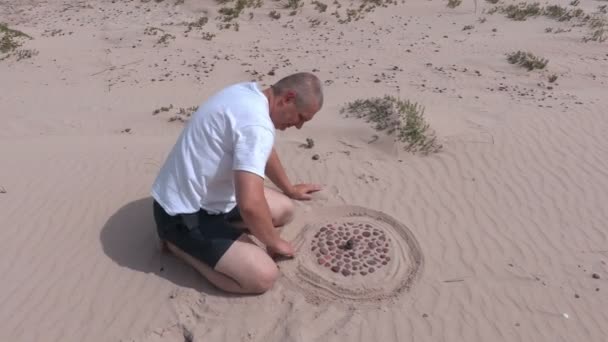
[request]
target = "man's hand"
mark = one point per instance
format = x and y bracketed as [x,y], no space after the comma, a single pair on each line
[282,248]
[302,192]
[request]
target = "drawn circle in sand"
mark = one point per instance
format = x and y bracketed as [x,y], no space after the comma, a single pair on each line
[353,254]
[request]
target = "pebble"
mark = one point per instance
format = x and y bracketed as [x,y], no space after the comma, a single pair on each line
[345,273]
[595,276]
[323,251]
[335,269]
[371,270]
[366,234]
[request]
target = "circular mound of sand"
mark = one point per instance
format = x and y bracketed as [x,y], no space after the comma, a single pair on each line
[352,254]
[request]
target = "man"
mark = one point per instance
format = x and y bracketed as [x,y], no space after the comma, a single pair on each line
[211,185]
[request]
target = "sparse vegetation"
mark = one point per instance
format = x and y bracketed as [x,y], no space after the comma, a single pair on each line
[319,6]
[182,114]
[561,13]
[231,13]
[164,39]
[10,39]
[454,3]
[153,31]
[198,24]
[162,109]
[598,33]
[208,36]
[293,4]
[404,119]
[527,60]
[274,14]
[552,78]
[25,54]
[522,11]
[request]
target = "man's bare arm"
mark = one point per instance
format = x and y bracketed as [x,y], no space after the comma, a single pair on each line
[276,173]
[254,208]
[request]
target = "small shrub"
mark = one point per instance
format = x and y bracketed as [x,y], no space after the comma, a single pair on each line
[597,25]
[552,78]
[198,24]
[404,119]
[454,3]
[468,27]
[10,39]
[494,2]
[319,6]
[274,14]
[293,4]
[162,109]
[208,36]
[25,54]
[527,60]
[522,11]
[164,39]
[231,13]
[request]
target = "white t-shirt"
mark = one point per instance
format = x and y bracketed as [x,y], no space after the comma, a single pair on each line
[230,131]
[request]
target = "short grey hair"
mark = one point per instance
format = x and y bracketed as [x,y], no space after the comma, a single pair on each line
[307,86]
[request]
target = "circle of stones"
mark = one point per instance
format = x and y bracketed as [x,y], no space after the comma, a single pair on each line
[351,249]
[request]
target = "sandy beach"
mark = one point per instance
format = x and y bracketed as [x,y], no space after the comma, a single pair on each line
[501,234]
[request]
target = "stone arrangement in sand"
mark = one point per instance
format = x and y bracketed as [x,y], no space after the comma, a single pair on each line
[351,254]
[351,248]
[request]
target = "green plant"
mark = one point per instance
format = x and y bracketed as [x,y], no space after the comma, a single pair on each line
[10,39]
[527,60]
[402,118]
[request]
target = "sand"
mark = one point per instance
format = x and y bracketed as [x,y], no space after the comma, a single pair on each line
[509,218]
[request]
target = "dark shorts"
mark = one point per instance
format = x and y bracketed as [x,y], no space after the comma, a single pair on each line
[203,236]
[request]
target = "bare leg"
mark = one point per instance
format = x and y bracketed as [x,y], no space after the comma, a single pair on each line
[244,268]
[281,207]
[236,270]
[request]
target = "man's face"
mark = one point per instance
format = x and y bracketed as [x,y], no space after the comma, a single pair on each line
[287,115]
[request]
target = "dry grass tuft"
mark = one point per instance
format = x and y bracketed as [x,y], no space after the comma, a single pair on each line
[404,119]
[527,60]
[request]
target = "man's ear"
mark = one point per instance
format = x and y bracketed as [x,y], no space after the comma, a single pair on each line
[290,96]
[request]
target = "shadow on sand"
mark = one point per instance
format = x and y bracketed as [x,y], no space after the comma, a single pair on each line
[129,238]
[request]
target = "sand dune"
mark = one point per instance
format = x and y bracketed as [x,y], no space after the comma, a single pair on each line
[509,217]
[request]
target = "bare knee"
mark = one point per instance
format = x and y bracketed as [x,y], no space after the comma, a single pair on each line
[284,213]
[264,279]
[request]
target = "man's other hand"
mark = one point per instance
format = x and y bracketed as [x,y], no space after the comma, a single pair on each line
[281,248]
[302,192]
